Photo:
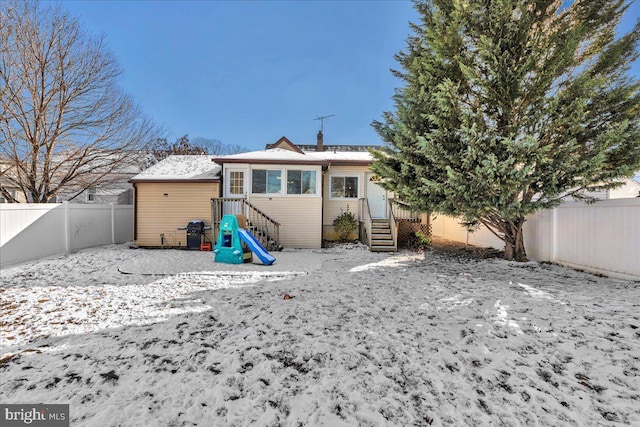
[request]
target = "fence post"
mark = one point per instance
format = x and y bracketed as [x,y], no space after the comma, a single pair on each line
[113,224]
[67,227]
[554,235]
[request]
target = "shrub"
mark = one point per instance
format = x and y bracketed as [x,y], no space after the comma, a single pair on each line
[345,224]
[418,241]
[422,240]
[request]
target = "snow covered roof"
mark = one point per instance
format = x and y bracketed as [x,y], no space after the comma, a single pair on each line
[181,168]
[280,155]
[271,155]
[359,156]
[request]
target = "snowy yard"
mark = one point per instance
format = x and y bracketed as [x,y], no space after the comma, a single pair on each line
[169,338]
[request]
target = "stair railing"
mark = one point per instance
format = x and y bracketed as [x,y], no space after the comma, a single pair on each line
[401,211]
[393,224]
[365,217]
[261,225]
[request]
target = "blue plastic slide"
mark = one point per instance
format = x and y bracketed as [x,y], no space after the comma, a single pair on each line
[256,247]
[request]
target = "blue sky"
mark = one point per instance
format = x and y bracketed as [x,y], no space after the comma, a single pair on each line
[249,72]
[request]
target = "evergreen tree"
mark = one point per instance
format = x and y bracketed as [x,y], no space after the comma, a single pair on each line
[509,106]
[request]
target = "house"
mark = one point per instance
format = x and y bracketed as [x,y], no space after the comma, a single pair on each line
[95,182]
[170,194]
[630,188]
[301,189]
[9,192]
[289,193]
[112,187]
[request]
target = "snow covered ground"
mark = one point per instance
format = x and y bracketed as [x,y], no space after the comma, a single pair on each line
[169,338]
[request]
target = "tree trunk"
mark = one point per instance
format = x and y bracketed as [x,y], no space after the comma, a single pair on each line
[514,241]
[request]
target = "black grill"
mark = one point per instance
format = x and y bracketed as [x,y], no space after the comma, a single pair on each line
[195,231]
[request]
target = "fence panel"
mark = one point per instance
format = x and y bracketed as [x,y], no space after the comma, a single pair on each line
[44,236]
[123,223]
[14,217]
[89,226]
[538,235]
[602,238]
[32,231]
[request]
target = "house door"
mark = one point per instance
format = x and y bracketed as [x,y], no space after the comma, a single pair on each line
[235,187]
[235,183]
[376,197]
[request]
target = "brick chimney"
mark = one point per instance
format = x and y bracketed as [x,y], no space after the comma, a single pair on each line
[320,142]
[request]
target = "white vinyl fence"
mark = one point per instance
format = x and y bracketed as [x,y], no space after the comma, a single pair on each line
[601,238]
[32,231]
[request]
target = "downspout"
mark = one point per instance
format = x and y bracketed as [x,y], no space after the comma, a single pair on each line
[323,174]
[135,212]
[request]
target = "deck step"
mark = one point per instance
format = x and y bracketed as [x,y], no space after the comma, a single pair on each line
[380,234]
[384,242]
[383,248]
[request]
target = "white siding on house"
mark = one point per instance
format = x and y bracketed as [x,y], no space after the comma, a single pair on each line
[300,219]
[300,216]
[334,207]
[631,188]
[303,218]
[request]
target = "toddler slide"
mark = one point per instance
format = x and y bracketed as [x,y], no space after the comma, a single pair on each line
[256,247]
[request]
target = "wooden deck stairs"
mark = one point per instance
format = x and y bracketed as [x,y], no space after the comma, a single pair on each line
[381,236]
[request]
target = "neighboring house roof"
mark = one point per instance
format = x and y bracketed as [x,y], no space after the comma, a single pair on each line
[181,168]
[340,148]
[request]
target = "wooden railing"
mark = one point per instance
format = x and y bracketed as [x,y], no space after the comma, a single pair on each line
[261,225]
[365,218]
[392,223]
[401,210]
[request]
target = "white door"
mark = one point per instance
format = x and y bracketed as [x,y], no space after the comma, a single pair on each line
[376,197]
[235,183]
[235,187]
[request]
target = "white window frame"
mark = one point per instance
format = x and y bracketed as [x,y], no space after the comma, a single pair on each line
[227,184]
[266,194]
[346,175]
[298,169]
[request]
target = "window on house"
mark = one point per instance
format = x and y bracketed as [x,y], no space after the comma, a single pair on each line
[266,181]
[91,194]
[344,187]
[236,182]
[301,182]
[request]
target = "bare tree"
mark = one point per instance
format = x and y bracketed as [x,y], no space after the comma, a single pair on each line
[215,147]
[64,121]
[183,146]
